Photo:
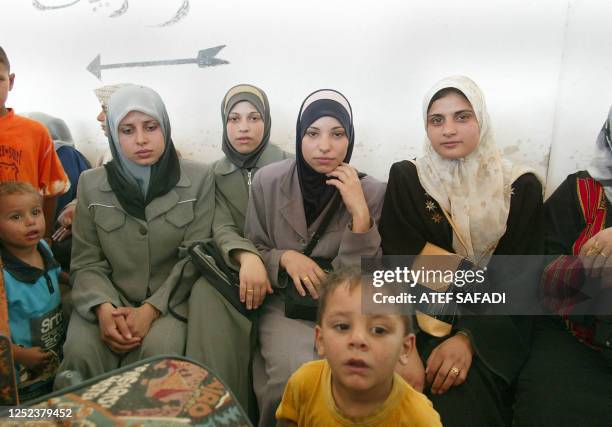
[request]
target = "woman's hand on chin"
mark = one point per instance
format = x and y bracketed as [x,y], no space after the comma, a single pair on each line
[349,185]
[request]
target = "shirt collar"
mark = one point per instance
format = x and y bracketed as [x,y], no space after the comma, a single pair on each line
[25,272]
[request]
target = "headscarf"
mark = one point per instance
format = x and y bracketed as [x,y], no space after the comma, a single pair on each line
[476,189]
[259,100]
[103,93]
[600,168]
[60,134]
[321,103]
[135,185]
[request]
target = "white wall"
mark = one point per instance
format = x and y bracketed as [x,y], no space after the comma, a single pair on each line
[542,65]
[585,92]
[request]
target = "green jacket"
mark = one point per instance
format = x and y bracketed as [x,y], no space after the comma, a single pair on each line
[126,261]
[232,196]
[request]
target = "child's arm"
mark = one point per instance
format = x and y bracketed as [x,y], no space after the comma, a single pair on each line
[31,357]
[49,206]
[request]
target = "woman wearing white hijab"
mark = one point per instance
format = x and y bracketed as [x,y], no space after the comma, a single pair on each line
[461,197]
[567,380]
[135,217]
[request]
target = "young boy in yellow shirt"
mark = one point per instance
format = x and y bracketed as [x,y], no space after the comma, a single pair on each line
[355,383]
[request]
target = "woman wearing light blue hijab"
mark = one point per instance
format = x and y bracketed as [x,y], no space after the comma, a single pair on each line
[135,217]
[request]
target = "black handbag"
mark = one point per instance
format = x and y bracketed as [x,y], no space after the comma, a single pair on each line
[210,263]
[296,305]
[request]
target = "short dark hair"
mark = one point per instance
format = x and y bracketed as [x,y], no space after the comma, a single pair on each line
[9,188]
[4,59]
[352,277]
[443,92]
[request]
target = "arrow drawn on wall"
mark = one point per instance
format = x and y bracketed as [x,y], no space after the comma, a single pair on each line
[205,58]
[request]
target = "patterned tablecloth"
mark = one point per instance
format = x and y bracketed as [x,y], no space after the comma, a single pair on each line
[161,391]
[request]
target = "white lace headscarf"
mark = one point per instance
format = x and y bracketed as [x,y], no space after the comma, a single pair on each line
[474,190]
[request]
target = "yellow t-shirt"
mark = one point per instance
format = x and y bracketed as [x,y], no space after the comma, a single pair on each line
[308,401]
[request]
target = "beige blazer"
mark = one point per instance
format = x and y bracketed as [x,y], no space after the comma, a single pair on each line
[232,196]
[275,220]
[126,261]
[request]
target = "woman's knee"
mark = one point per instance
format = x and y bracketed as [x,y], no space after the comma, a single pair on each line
[166,336]
[84,351]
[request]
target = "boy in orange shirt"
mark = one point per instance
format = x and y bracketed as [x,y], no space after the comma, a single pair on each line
[356,383]
[26,150]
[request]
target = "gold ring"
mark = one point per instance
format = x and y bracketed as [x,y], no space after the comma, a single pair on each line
[305,277]
[591,251]
[250,290]
[455,371]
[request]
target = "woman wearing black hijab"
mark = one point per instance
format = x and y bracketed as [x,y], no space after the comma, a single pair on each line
[287,204]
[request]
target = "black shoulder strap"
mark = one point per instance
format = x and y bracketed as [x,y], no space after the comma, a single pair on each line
[326,220]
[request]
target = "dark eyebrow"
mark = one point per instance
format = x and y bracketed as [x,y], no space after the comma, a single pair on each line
[464,111]
[313,127]
[338,127]
[380,316]
[339,313]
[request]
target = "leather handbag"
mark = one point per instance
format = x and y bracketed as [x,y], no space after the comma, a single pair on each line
[208,260]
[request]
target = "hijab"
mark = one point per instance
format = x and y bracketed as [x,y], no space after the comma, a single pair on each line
[259,100]
[103,93]
[60,134]
[476,189]
[316,193]
[135,185]
[600,168]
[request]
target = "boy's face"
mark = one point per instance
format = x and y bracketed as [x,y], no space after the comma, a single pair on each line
[6,84]
[22,222]
[362,350]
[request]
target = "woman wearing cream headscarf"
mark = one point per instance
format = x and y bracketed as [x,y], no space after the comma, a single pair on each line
[224,344]
[134,220]
[461,197]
